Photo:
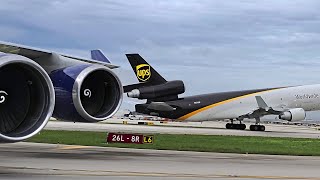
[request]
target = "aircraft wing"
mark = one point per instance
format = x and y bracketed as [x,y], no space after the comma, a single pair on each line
[34,53]
[263,109]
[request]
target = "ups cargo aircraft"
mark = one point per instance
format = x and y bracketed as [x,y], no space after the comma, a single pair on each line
[37,84]
[288,103]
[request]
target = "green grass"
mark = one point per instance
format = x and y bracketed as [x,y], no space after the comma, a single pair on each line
[207,143]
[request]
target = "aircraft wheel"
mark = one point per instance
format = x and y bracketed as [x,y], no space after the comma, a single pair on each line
[262,128]
[228,126]
[254,128]
[242,127]
[251,127]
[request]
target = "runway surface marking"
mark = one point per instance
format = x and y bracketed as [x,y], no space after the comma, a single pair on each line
[63,172]
[71,147]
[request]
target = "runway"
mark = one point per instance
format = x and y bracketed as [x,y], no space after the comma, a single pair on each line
[206,128]
[39,161]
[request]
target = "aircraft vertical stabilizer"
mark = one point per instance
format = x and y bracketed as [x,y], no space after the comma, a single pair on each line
[99,56]
[144,72]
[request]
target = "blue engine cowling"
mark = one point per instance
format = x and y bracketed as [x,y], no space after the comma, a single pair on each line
[86,93]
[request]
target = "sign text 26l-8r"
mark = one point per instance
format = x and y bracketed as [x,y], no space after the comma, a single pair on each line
[129,138]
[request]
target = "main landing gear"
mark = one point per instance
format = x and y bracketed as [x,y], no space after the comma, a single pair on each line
[256,127]
[235,126]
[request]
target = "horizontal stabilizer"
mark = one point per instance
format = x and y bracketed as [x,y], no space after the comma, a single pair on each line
[160,106]
[131,87]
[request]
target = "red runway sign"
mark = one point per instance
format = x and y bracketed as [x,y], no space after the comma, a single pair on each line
[129,138]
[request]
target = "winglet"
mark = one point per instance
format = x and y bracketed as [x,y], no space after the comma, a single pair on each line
[99,56]
[261,102]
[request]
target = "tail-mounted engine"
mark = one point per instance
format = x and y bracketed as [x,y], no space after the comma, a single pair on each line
[86,93]
[26,98]
[168,89]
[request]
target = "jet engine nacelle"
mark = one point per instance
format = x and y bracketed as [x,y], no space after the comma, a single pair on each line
[296,114]
[26,98]
[151,92]
[86,93]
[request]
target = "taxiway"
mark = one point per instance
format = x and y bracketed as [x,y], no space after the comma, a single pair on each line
[206,128]
[39,161]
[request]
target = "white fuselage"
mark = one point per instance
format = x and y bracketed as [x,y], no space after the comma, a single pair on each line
[306,97]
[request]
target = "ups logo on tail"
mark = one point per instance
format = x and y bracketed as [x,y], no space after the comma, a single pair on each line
[143,72]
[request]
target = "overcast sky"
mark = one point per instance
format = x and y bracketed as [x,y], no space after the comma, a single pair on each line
[211,45]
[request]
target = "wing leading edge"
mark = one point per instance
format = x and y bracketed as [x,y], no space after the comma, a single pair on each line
[34,53]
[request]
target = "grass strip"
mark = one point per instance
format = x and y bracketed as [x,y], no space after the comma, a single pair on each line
[202,143]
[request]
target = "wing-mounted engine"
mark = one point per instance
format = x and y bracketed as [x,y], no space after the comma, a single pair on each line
[86,93]
[296,114]
[26,98]
[168,89]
